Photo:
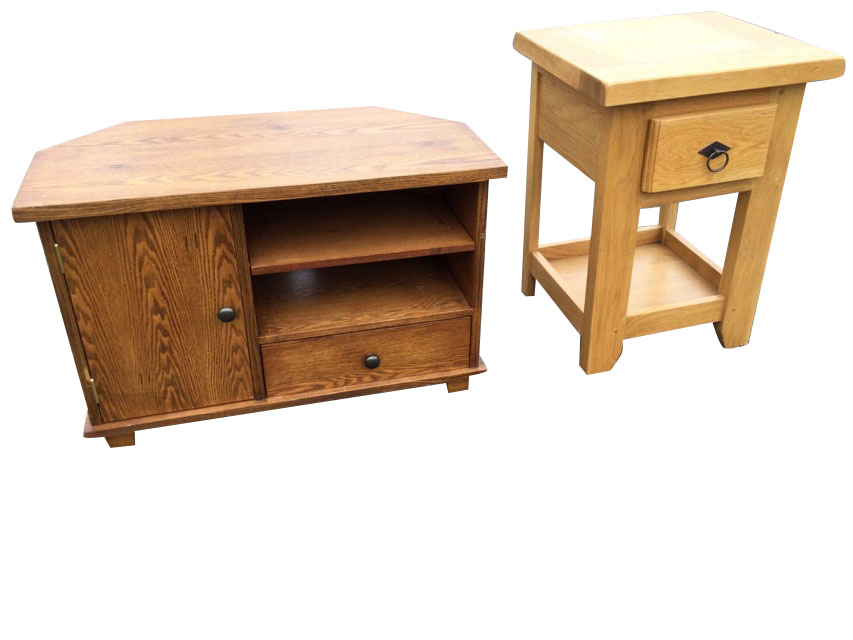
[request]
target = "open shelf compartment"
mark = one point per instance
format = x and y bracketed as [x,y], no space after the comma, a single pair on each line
[317,302]
[291,235]
[673,284]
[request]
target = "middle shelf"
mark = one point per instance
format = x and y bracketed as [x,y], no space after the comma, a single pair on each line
[316,302]
[310,233]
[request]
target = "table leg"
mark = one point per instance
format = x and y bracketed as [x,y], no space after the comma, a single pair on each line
[752,229]
[666,219]
[534,188]
[616,213]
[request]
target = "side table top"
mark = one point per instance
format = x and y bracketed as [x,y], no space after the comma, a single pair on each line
[189,162]
[631,61]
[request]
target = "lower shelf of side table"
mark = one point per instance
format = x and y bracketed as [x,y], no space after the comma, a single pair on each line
[673,285]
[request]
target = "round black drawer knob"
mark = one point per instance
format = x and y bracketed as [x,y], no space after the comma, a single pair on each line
[226,314]
[371,361]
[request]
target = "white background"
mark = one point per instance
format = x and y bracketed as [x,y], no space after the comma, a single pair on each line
[692,492]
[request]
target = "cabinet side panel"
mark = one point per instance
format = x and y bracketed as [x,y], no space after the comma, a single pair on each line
[65,308]
[469,203]
[146,289]
[244,270]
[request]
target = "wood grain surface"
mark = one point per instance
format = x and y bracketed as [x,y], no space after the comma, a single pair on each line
[241,254]
[60,287]
[323,232]
[190,162]
[146,289]
[570,124]
[533,190]
[752,227]
[277,402]
[672,158]
[645,59]
[316,302]
[337,361]
[469,203]
[659,278]
[615,215]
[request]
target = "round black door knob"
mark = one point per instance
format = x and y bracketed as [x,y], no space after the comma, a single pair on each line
[371,361]
[226,314]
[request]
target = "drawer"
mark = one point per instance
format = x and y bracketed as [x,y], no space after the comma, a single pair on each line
[330,362]
[673,149]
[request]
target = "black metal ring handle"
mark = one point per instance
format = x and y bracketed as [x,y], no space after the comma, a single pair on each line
[715,150]
[716,154]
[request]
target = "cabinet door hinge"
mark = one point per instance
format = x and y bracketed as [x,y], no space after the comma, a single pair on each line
[59,257]
[94,387]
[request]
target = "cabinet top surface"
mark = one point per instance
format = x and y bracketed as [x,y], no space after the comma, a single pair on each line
[630,61]
[189,162]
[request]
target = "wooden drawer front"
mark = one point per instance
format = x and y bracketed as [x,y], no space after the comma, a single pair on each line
[673,160]
[330,362]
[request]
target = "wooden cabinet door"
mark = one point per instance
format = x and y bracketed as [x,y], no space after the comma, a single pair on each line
[146,289]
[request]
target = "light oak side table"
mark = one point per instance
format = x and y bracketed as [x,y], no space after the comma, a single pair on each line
[658,111]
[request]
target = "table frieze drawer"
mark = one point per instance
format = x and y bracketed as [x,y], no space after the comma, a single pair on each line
[363,357]
[707,148]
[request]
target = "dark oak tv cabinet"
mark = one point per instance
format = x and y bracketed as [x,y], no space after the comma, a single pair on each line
[207,267]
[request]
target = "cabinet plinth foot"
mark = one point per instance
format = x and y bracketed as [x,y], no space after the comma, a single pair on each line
[457,385]
[124,440]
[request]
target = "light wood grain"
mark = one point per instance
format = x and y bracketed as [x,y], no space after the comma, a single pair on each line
[666,292]
[697,260]
[190,162]
[337,361]
[323,232]
[317,302]
[752,227]
[551,281]
[616,212]
[145,289]
[673,160]
[667,217]
[658,278]
[276,402]
[533,193]
[580,247]
[648,200]
[674,316]
[570,124]
[647,59]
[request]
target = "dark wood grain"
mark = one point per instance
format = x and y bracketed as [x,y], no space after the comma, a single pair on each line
[67,311]
[241,254]
[145,289]
[277,402]
[468,202]
[324,232]
[191,162]
[316,302]
[337,361]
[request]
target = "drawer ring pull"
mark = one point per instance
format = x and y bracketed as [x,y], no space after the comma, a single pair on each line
[715,150]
